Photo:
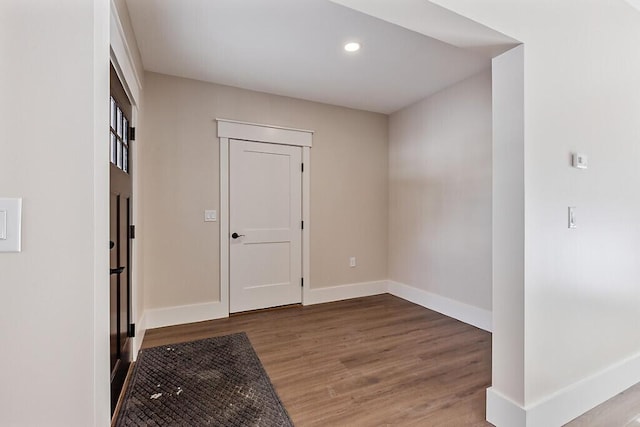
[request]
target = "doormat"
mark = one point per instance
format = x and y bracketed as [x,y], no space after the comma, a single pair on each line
[212,382]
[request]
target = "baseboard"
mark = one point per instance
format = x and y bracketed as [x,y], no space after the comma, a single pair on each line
[573,401]
[464,312]
[169,316]
[343,292]
[503,412]
[566,404]
[141,329]
[178,315]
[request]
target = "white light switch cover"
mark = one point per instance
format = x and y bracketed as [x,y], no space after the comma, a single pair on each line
[12,209]
[210,216]
[3,225]
[572,217]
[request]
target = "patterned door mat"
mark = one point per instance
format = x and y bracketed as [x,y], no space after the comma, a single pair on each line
[212,382]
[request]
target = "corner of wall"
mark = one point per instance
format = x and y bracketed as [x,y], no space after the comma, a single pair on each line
[179,315]
[466,313]
[343,292]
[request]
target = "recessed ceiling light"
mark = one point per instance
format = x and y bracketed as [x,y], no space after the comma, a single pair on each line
[352,47]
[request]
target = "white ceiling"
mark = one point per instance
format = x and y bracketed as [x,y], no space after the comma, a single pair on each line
[295,48]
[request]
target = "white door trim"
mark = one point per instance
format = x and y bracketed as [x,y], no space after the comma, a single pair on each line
[232,129]
[123,58]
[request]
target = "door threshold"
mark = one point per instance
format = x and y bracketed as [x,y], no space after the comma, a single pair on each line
[263,310]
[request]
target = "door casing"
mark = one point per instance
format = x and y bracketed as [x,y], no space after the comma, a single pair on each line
[231,129]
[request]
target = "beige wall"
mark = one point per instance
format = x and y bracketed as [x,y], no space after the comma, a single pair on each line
[179,152]
[440,193]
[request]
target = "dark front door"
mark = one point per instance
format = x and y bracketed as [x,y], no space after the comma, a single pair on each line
[120,204]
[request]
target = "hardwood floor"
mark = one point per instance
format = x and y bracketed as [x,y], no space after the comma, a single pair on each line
[371,361]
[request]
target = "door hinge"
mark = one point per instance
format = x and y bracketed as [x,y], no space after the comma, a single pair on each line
[132,330]
[302,282]
[132,134]
[302,225]
[302,166]
[132,231]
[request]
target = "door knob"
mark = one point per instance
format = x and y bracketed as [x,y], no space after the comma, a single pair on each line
[236,235]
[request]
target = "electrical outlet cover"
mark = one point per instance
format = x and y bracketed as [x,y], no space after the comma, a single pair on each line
[579,161]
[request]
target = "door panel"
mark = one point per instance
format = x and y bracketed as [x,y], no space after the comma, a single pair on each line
[120,208]
[113,285]
[120,200]
[265,211]
[125,276]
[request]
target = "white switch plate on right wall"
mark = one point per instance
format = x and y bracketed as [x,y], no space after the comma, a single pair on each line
[12,224]
[3,225]
[572,217]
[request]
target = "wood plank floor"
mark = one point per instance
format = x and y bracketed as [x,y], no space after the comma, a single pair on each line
[371,361]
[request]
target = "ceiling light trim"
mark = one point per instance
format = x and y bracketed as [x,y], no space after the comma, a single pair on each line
[352,47]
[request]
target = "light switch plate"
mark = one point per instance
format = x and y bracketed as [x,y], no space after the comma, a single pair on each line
[11,225]
[3,225]
[210,216]
[572,217]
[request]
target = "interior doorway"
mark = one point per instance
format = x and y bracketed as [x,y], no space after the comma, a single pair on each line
[260,163]
[265,249]
[120,235]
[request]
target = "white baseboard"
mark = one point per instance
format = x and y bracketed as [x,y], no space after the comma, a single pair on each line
[564,405]
[343,292]
[169,316]
[503,412]
[178,315]
[465,313]
[573,401]
[141,328]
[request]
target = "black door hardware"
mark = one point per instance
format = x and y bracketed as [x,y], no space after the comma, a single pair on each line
[117,270]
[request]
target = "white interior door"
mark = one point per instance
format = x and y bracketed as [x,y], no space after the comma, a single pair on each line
[265,217]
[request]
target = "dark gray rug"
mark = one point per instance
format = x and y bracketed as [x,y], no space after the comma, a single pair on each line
[213,382]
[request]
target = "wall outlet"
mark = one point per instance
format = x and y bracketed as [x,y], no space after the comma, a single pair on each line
[579,160]
[352,261]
